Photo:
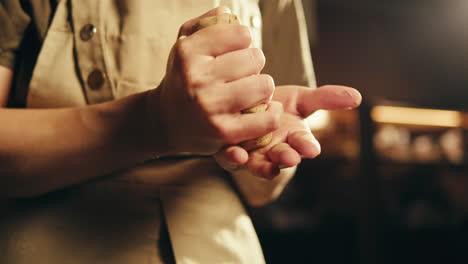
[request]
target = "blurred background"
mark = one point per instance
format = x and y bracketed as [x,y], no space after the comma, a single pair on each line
[391,185]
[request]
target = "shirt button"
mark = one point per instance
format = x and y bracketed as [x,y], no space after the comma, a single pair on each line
[96,80]
[255,21]
[87,32]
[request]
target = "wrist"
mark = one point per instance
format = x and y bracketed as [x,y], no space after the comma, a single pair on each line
[155,130]
[122,127]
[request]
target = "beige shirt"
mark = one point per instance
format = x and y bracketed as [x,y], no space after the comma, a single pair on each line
[97,51]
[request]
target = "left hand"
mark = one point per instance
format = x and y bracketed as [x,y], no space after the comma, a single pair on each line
[293,139]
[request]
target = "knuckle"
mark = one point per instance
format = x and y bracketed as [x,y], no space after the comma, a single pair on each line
[192,78]
[279,108]
[190,74]
[243,34]
[273,122]
[202,104]
[266,85]
[183,48]
[257,57]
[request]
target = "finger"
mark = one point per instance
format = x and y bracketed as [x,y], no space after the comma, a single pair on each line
[304,143]
[232,158]
[239,95]
[284,156]
[217,40]
[330,97]
[242,127]
[187,27]
[262,167]
[268,171]
[238,64]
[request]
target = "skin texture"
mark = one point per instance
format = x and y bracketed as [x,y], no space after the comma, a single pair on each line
[39,154]
[263,173]
[227,18]
[208,74]
[203,90]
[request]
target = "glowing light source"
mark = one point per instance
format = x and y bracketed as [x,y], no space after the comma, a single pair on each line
[318,120]
[416,116]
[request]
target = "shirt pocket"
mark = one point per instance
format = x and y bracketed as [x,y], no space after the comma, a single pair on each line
[135,62]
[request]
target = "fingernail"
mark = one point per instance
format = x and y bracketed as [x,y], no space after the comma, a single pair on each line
[355,95]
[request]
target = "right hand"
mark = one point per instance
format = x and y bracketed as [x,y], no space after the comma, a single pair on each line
[211,76]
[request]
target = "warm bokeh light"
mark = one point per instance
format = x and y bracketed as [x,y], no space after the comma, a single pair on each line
[416,116]
[318,120]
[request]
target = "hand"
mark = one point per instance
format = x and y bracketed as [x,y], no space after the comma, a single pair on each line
[198,105]
[293,138]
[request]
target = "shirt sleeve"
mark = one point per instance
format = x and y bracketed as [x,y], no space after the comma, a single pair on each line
[13,23]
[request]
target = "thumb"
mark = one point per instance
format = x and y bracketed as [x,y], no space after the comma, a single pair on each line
[329,97]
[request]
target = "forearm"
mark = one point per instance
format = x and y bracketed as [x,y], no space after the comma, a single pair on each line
[258,191]
[43,150]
